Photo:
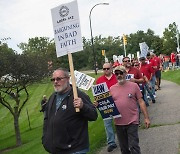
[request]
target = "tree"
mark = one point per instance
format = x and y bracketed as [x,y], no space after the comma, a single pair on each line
[43,46]
[157,45]
[169,39]
[5,53]
[153,41]
[18,72]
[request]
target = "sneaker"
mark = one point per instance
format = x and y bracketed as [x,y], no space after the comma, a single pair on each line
[154,96]
[147,105]
[154,101]
[111,147]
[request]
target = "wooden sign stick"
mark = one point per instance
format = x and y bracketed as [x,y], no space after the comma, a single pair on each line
[73,78]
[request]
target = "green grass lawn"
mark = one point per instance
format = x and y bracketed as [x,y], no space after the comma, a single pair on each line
[173,76]
[31,138]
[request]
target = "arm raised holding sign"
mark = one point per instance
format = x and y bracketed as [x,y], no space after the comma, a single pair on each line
[64,129]
[110,79]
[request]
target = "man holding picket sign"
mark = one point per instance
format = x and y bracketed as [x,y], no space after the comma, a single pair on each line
[65,130]
[68,111]
[110,79]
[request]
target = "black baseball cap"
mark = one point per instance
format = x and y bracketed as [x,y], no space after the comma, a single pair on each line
[142,58]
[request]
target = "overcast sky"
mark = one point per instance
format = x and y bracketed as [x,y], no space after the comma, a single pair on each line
[24,19]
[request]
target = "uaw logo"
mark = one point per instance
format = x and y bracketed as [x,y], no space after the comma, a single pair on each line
[64,11]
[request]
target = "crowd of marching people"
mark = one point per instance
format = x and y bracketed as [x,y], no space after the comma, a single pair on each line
[171,61]
[151,67]
[132,84]
[122,80]
[144,73]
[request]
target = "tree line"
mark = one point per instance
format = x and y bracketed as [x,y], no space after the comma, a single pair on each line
[38,59]
[112,45]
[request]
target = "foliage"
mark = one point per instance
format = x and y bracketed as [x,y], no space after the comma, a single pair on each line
[169,38]
[46,47]
[20,71]
[112,46]
[153,41]
[5,54]
[17,72]
[40,46]
[31,138]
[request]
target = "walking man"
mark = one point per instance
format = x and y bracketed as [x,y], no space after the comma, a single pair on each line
[126,94]
[133,74]
[65,130]
[43,103]
[110,80]
[147,71]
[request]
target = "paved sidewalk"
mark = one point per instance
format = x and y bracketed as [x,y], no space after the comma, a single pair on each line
[164,135]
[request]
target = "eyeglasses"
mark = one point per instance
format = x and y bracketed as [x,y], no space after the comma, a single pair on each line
[118,72]
[106,68]
[57,79]
[126,61]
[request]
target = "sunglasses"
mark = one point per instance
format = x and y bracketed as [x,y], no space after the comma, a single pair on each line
[106,68]
[57,79]
[118,72]
[126,61]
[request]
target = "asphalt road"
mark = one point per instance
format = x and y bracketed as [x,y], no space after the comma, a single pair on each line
[163,137]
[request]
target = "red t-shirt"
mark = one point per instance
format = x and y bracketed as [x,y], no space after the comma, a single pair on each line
[147,70]
[135,73]
[152,64]
[116,64]
[109,82]
[173,59]
[166,58]
[157,61]
[125,97]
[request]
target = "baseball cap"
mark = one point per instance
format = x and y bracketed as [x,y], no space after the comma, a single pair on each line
[142,58]
[120,68]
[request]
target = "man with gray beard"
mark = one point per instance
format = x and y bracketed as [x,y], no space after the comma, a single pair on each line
[65,130]
[126,94]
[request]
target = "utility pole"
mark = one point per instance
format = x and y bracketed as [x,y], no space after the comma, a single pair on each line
[177,36]
[124,43]
[92,40]
[104,54]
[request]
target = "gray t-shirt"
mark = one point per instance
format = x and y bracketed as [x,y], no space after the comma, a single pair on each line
[60,98]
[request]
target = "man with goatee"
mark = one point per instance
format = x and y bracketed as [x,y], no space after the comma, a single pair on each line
[65,131]
[126,94]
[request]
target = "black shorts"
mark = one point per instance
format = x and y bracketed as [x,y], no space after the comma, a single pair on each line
[158,74]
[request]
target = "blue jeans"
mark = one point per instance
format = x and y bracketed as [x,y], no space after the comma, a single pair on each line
[165,65]
[146,88]
[153,82]
[145,96]
[109,131]
[82,151]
